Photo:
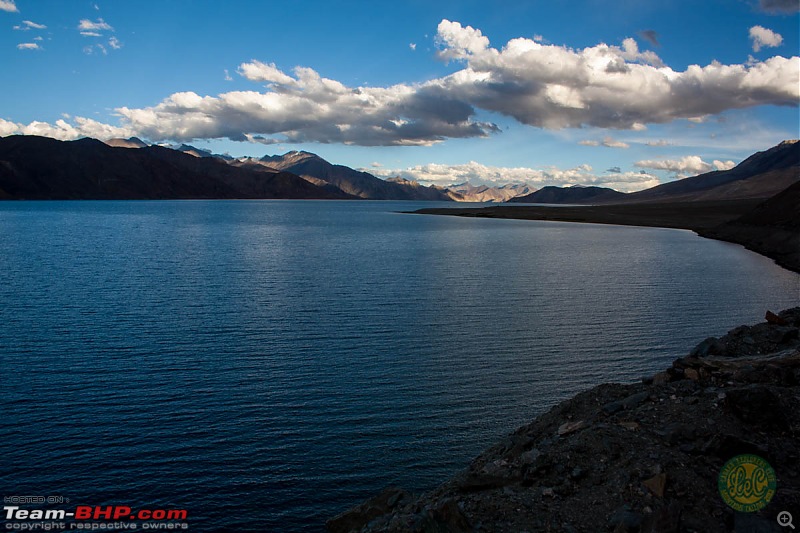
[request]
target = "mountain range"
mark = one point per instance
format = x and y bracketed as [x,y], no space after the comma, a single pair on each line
[34,167]
[569,195]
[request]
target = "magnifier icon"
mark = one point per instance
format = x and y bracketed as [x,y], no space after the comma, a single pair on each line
[785,519]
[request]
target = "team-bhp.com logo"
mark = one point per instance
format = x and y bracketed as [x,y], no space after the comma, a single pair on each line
[122,513]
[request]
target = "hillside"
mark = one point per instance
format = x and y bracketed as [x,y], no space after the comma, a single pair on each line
[484,193]
[771,228]
[570,195]
[762,175]
[42,168]
[353,182]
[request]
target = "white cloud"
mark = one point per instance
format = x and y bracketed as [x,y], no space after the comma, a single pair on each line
[8,128]
[63,130]
[660,142]
[28,25]
[608,142]
[9,6]
[28,46]
[458,42]
[114,43]
[537,84]
[723,165]
[227,76]
[689,165]
[91,34]
[91,49]
[91,29]
[479,174]
[604,86]
[311,108]
[413,46]
[764,38]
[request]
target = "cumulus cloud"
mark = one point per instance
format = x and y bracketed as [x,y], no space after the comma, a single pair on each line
[540,85]
[780,6]
[458,42]
[764,38]
[29,25]
[28,46]
[605,86]
[311,108]
[689,165]
[9,6]
[479,174]
[114,43]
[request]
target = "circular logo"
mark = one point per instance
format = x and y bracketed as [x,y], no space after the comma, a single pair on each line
[747,483]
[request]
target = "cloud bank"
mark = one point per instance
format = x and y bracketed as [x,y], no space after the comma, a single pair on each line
[690,165]
[540,85]
[479,174]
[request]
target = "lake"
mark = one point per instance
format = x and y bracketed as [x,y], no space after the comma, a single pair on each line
[268,364]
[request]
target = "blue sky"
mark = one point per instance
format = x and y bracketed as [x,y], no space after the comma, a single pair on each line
[559,92]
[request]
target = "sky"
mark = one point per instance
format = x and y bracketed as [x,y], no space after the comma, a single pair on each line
[619,93]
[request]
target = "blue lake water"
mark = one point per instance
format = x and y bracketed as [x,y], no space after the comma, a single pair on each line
[267,364]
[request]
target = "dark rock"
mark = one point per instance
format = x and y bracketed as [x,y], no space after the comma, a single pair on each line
[446,518]
[624,519]
[753,523]
[631,402]
[656,484]
[727,446]
[358,517]
[757,405]
[772,318]
[663,520]
[709,346]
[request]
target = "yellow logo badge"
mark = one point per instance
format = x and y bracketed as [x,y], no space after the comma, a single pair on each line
[747,483]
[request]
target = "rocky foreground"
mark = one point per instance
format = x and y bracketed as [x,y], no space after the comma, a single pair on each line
[641,458]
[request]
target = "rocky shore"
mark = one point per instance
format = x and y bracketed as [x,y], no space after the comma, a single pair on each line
[641,457]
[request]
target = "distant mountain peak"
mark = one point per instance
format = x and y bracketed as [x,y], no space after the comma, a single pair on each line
[131,142]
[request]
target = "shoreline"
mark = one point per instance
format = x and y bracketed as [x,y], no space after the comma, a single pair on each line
[636,458]
[711,220]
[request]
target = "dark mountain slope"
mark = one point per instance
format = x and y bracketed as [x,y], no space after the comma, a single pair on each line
[42,168]
[361,184]
[761,175]
[569,195]
[771,228]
